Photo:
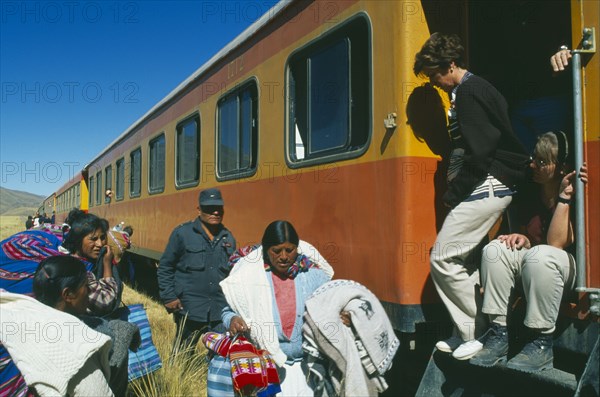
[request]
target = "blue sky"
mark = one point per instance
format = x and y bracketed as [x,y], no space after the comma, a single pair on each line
[75,74]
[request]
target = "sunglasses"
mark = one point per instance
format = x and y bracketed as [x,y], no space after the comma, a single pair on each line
[539,162]
[209,209]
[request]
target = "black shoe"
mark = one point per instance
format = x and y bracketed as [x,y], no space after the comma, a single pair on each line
[494,349]
[537,355]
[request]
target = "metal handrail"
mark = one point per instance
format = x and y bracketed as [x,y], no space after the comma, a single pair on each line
[580,258]
[588,47]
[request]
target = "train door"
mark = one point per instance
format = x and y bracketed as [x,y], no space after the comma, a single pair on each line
[509,43]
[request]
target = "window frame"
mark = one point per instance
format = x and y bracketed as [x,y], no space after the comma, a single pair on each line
[351,30]
[121,196]
[107,185]
[160,189]
[239,173]
[99,178]
[92,189]
[133,194]
[180,125]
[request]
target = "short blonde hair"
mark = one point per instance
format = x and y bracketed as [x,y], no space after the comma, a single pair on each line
[546,148]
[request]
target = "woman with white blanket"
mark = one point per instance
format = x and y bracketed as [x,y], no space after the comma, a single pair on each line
[266,292]
[56,353]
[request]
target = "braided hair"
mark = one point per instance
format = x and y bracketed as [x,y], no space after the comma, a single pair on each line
[56,273]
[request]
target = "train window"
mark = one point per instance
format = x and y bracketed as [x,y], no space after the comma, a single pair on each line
[135,176]
[107,183]
[120,185]
[77,202]
[99,188]
[156,179]
[187,171]
[237,135]
[91,197]
[329,101]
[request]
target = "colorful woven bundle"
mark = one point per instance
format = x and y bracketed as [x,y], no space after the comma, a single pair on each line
[218,343]
[252,370]
[270,371]
[246,366]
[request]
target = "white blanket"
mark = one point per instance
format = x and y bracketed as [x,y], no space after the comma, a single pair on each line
[50,347]
[361,369]
[247,284]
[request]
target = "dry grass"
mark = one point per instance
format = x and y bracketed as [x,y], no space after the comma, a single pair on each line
[182,374]
[11,224]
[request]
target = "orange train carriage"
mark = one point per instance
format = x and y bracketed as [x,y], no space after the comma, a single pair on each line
[48,205]
[313,115]
[73,194]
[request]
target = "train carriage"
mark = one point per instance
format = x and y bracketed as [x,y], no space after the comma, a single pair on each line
[313,115]
[288,121]
[73,194]
[48,204]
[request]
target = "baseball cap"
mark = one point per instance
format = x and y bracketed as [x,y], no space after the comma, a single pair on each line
[210,197]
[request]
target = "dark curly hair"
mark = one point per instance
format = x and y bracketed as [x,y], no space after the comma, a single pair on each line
[439,51]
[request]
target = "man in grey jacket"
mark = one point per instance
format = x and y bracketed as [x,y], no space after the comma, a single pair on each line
[191,267]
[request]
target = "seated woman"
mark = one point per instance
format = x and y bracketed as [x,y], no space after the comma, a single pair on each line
[21,253]
[87,240]
[71,360]
[267,289]
[62,282]
[535,260]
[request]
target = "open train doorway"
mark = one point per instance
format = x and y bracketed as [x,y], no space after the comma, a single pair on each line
[510,43]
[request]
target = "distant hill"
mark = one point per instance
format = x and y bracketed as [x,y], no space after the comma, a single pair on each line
[15,202]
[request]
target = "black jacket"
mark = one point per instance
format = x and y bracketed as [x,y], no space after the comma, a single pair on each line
[490,143]
[192,267]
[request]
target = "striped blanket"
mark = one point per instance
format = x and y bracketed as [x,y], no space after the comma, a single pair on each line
[20,255]
[146,359]
[12,383]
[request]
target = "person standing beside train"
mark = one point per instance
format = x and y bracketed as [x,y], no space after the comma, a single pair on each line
[193,264]
[482,175]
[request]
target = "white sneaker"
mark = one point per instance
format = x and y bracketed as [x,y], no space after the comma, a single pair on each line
[448,345]
[467,350]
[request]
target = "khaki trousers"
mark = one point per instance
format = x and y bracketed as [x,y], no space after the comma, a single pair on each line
[544,272]
[454,263]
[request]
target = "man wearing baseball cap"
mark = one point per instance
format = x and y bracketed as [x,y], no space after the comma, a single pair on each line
[191,267]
